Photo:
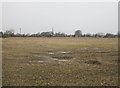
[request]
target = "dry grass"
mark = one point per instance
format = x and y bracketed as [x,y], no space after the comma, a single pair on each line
[60,61]
[0,62]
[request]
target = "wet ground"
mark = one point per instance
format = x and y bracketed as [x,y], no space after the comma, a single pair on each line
[60,62]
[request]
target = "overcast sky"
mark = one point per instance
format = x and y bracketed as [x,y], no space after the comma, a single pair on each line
[33,17]
[0,16]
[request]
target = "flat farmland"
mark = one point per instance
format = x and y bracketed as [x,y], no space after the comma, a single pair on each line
[59,61]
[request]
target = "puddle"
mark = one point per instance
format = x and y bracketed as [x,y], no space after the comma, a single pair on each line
[63,52]
[52,56]
[39,58]
[95,62]
[40,61]
[61,55]
[55,59]
[85,48]
[60,60]
[60,52]
[50,53]
[63,60]
[96,48]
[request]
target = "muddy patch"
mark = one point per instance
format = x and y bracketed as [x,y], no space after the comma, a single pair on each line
[60,60]
[84,48]
[94,62]
[39,59]
[61,55]
[51,53]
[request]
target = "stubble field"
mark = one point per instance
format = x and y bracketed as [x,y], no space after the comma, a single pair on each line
[59,61]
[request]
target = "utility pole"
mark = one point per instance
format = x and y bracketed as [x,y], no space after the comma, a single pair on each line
[20,30]
[52,31]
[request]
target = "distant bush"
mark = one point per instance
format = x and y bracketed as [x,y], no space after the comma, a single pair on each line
[78,33]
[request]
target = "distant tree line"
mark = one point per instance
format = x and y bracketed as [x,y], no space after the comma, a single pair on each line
[78,33]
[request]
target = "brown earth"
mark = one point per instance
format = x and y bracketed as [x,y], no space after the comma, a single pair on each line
[60,61]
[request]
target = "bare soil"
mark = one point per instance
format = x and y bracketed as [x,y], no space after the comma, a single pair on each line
[60,61]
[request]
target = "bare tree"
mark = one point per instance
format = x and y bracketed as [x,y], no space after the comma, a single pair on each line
[78,33]
[1,34]
[100,34]
[9,33]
